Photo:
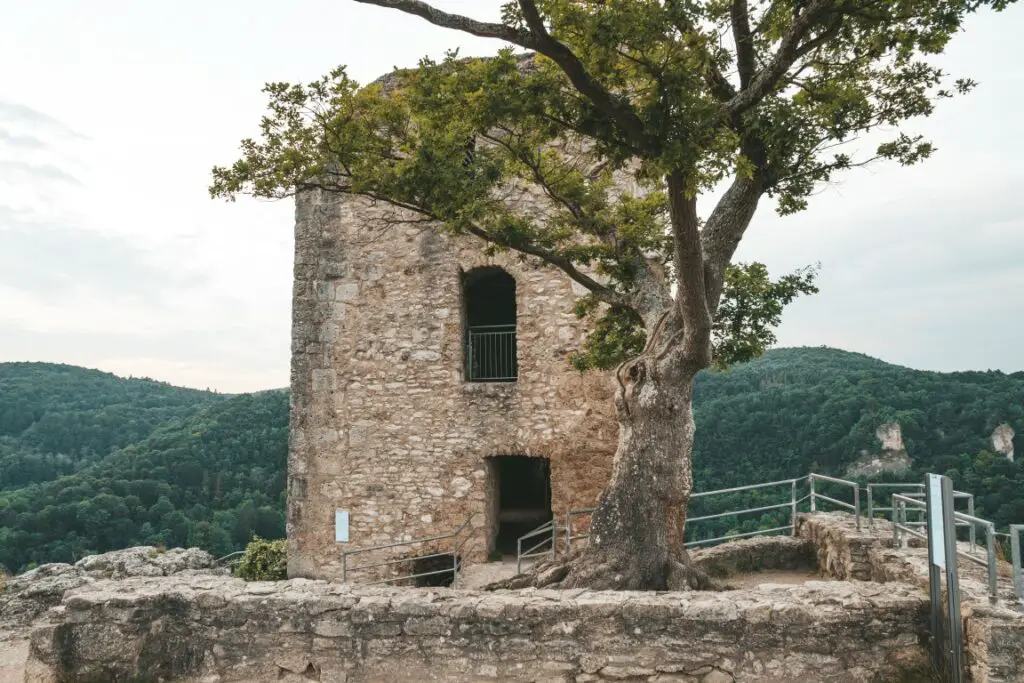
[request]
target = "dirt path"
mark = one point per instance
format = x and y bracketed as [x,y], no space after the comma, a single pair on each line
[785,576]
[477,576]
[13,654]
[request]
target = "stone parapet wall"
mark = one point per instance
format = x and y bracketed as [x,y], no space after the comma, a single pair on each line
[994,632]
[218,629]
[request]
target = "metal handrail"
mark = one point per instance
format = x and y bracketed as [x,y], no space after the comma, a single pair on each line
[229,558]
[900,524]
[549,531]
[456,547]
[1016,534]
[569,535]
[815,495]
[792,504]
[919,493]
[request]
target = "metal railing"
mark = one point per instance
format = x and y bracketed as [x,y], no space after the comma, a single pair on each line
[491,353]
[570,533]
[815,496]
[900,526]
[1016,541]
[458,540]
[917,491]
[548,531]
[793,504]
[230,560]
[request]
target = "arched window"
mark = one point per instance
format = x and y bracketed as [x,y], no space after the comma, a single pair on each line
[490,306]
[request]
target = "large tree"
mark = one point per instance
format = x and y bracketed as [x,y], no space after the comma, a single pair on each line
[620,115]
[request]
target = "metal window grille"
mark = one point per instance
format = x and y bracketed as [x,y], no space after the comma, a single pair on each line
[491,354]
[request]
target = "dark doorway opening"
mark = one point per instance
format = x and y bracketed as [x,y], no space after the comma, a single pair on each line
[434,571]
[490,306]
[522,486]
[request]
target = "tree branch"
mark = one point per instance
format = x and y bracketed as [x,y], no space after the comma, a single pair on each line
[538,39]
[691,299]
[604,294]
[614,107]
[724,230]
[789,51]
[457,22]
[745,58]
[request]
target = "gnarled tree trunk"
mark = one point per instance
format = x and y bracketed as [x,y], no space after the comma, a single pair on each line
[636,533]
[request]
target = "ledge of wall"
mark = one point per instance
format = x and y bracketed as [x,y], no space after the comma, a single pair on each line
[222,629]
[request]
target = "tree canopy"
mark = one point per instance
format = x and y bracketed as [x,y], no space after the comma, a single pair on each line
[620,115]
[590,151]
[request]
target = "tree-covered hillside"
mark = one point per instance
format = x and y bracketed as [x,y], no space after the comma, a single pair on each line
[91,462]
[57,419]
[793,411]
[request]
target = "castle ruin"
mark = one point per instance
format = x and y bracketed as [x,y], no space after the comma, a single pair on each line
[430,384]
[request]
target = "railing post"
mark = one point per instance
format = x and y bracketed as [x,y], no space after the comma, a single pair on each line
[455,562]
[344,567]
[970,511]
[554,537]
[519,556]
[990,541]
[814,506]
[856,504]
[793,512]
[1016,531]
[871,511]
[568,532]
[895,524]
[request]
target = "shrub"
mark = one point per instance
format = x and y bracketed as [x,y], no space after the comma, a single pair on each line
[263,561]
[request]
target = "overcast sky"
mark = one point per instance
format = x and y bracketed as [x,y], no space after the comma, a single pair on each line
[112,255]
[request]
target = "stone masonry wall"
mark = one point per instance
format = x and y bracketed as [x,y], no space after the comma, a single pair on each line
[218,629]
[993,631]
[383,424]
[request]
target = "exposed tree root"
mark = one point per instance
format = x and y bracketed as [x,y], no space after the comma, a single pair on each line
[595,570]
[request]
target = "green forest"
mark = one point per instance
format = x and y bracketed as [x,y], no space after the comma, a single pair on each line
[91,462]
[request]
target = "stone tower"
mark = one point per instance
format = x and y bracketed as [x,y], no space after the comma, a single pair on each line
[430,384]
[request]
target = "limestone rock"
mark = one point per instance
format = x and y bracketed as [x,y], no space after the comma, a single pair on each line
[893,458]
[1002,440]
[27,597]
[145,561]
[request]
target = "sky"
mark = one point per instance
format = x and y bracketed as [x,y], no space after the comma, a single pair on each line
[113,256]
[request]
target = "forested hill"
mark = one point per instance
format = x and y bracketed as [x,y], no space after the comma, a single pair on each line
[90,462]
[796,410]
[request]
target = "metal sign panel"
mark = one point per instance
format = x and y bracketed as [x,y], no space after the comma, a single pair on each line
[341,526]
[936,537]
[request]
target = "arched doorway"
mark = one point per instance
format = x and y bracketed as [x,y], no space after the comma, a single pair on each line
[489,296]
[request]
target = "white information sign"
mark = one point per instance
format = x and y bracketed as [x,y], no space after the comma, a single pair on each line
[936,533]
[341,526]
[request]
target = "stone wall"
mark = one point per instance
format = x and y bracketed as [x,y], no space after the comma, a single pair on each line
[993,631]
[221,629]
[383,424]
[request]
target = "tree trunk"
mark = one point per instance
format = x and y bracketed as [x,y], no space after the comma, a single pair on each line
[636,533]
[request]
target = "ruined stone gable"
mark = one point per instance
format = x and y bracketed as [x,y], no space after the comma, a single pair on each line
[385,425]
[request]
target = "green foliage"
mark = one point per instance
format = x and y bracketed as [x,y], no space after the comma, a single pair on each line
[216,478]
[620,115]
[751,308]
[744,325]
[797,410]
[184,467]
[264,561]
